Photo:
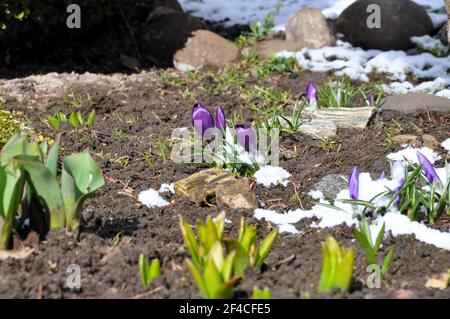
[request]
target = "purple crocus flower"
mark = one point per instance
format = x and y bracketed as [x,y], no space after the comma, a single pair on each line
[220,118]
[371,100]
[353,183]
[246,137]
[382,176]
[201,118]
[427,167]
[311,93]
[398,175]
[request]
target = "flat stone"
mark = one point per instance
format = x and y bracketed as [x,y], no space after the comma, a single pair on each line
[415,102]
[216,186]
[319,128]
[330,186]
[357,117]
[430,141]
[309,28]
[269,48]
[205,48]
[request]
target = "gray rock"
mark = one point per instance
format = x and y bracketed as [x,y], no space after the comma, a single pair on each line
[330,186]
[205,48]
[443,34]
[357,117]
[319,128]
[309,28]
[269,48]
[165,32]
[400,20]
[404,138]
[415,102]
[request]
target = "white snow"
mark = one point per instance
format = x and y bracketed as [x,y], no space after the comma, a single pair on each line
[342,58]
[410,154]
[428,43]
[272,176]
[446,144]
[316,194]
[151,198]
[395,222]
[167,188]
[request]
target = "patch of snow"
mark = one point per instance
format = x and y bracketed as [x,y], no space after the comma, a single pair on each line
[395,222]
[428,43]
[151,198]
[444,93]
[167,188]
[438,19]
[234,12]
[316,194]
[272,176]
[410,154]
[446,144]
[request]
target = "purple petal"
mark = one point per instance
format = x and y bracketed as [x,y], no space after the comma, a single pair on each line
[353,183]
[371,100]
[311,92]
[220,118]
[427,167]
[246,137]
[398,175]
[201,118]
[382,176]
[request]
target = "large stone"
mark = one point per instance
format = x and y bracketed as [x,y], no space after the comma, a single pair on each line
[205,48]
[269,48]
[318,128]
[165,32]
[217,186]
[330,186]
[415,102]
[357,117]
[309,28]
[400,20]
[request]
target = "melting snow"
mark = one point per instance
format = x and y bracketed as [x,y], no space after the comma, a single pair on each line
[167,188]
[410,154]
[395,222]
[151,198]
[272,176]
[446,144]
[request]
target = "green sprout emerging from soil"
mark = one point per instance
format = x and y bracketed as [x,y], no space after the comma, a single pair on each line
[337,267]
[217,272]
[261,294]
[75,119]
[148,271]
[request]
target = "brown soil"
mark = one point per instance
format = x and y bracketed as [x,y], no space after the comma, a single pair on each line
[294,265]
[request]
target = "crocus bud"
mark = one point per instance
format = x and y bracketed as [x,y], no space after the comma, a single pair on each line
[220,118]
[427,167]
[382,176]
[201,118]
[311,93]
[371,100]
[398,175]
[246,137]
[353,183]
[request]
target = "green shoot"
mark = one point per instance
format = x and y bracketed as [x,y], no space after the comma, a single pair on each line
[75,119]
[261,294]
[148,271]
[364,237]
[337,94]
[337,267]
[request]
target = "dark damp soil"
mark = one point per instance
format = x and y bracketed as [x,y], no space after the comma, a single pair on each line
[131,118]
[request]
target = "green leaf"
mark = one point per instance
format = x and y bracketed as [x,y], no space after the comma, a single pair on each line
[219,222]
[52,158]
[142,265]
[248,237]
[154,270]
[216,254]
[387,261]
[54,122]
[62,117]
[227,269]
[46,188]
[91,119]
[197,278]
[265,247]
[365,245]
[241,259]
[81,177]
[212,279]
[190,242]
[16,145]
[379,238]
[74,120]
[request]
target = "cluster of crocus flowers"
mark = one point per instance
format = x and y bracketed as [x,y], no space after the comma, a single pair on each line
[202,120]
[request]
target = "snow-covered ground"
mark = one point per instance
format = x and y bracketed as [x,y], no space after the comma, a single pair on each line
[342,58]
